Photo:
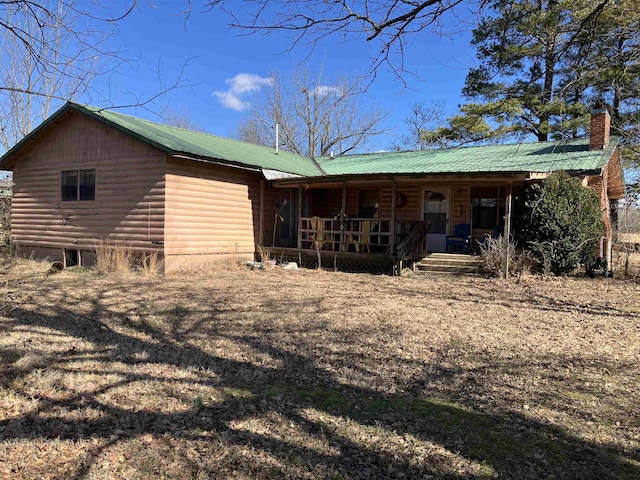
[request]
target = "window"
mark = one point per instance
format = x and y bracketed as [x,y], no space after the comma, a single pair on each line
[78,185]
[487,207]
[369,204]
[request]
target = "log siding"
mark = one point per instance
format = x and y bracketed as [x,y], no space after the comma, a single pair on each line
[129,191]
[212,214]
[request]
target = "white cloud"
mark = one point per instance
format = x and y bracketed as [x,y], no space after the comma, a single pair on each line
[326,90]
[239,86]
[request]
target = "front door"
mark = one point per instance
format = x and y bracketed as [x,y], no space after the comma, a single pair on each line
[435,208]
[284,223]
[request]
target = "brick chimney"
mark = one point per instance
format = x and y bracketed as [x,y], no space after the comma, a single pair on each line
[600,129]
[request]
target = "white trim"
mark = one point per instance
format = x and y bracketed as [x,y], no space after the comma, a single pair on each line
[447,193]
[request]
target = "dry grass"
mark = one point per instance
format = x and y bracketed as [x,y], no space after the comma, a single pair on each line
[626,261]
[492,253]
[113,257]
[629,237]
[119,258]
[308,374]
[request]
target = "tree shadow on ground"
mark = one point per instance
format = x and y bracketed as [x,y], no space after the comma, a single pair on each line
[351,431]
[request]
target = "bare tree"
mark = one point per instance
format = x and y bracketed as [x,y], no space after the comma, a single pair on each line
[53,50]
[5,212]
[387,25]
[44,63]
[422,118]
[315,117]
[251,130]
[181,119]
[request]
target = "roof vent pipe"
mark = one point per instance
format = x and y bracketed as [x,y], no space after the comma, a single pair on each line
[331,154]
[277,137]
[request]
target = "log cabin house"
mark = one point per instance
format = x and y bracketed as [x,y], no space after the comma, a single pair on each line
[88,175]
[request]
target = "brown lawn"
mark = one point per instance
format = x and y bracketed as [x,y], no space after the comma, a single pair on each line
[254,374]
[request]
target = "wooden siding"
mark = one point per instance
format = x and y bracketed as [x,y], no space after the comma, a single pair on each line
[460,206]
[129,194]
[325,203]
[211,211]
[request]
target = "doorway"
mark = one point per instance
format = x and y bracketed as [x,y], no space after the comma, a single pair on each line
[285,221]
[435,211]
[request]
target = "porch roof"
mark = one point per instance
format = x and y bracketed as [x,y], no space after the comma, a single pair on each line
[571,156]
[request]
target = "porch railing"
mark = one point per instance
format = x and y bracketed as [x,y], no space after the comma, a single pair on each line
[360,235]
[413,244]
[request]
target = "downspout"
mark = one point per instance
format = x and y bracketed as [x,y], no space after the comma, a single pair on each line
[261,214]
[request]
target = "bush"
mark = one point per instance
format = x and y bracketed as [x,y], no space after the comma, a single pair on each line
[492,253]
[561,223]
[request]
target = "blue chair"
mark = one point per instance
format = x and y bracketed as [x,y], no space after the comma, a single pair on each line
[497,232]
[461,237]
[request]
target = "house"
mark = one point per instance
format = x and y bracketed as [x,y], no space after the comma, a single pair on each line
[87,175]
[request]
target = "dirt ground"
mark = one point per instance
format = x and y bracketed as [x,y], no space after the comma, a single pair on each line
[308,374]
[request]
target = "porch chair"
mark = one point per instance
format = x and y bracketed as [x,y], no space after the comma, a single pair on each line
[461,237]
[317,236]
[365,226]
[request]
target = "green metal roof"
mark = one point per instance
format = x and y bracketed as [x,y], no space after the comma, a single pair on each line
[178,141]
[536,157]
[175,141]
[539,157]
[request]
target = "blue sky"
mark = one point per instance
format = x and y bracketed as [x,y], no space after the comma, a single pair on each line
[223,67]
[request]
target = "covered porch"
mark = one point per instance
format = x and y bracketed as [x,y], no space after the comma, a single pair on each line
[383,220]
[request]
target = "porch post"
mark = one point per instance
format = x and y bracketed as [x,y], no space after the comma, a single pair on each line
[392,227]
[507,232]
[300,193]
[343,215]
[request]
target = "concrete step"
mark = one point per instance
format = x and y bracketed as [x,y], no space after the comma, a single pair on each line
[449,264]
[456,269]
[459,263]
[453,257]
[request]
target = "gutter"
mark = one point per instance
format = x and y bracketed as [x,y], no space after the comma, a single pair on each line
[388,176]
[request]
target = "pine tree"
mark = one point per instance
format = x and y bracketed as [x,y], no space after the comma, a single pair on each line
[543,64]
